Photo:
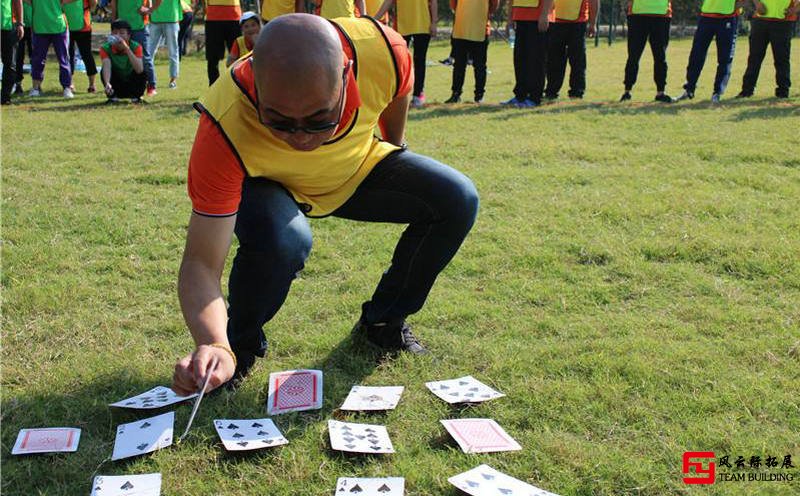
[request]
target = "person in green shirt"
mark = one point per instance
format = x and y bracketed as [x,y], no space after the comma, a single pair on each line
[122,64]
[164,25]
[50,28]
[12,32]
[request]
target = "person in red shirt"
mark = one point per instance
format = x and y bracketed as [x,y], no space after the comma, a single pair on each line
[531,20]
[567,42]
[289,133]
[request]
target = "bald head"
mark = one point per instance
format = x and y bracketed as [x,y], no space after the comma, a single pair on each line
[298,50]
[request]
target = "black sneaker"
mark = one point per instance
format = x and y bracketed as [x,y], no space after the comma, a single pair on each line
[454,98]
[244,362]
[478,97]
[625,96]
[781,93]
[391,337]
[447,61]
[744,94]
[664,98]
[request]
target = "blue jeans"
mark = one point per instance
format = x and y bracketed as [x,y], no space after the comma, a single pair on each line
[724,29]
[142,37]
[438,203]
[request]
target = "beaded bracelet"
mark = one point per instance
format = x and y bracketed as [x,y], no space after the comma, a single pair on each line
[226,348]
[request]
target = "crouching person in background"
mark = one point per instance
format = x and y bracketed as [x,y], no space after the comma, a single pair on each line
[123,67]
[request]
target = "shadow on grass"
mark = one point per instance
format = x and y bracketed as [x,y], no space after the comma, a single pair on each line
[168,108]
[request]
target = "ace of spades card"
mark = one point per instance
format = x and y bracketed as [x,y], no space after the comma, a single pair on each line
[47,440]
[370,486]
[486,481]
[480,435]
[294,391]
[157,397]
[244,435]
[363,398]
[127,485]
[465,389]
[143,436]
[359,438]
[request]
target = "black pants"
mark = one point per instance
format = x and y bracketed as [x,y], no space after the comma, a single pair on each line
[84,41]
[220,35]
[566,42]
[476,50]
[420,43]
[184,32]
[642,28]
[9,52]
[779,35]
[530,61]
[25,43]
[132,86]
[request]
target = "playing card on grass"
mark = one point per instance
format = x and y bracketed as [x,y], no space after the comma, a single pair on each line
[484,480]
[46,440]
[127,485]
[375,486]
[143,436]
[372,398]
[480,435]
[241,435]
[294,391]
[465,389]
[157,397]
[359,438]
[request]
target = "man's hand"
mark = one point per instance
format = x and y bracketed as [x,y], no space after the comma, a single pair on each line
[433,29]
[191,370]
[109,90]
[544,23]
[20,31]
[591,30]
[122,45]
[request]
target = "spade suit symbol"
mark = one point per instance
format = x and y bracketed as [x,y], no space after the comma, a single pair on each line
[127,486]
[472,483]
[242,443]
[488,476]
[462,383]
[370,429]
[267,441]
[505,491]
[145,425]
[256,424]
[261,433]
[356,489]
[384,489]
[444,386]
[232,426]
[238,435]
[142,446]
[351,446]
[473,389]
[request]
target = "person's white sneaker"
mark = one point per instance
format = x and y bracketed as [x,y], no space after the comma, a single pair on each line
[68,93]
[34,92]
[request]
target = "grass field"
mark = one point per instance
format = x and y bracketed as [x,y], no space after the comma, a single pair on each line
[632,284]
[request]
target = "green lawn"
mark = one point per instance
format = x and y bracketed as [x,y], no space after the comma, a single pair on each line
[632,284]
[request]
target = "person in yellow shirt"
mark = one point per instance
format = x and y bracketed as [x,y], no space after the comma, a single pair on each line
[244,44]
[567,43]
[470,40]
[258,169]
[331,9]
[531,20]
[270,9]
[416,21]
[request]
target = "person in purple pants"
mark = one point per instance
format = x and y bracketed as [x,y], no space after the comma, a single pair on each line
[50,28]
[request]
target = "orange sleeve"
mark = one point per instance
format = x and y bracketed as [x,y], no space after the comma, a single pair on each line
[103,53]
[234,50]
[215,172]
[138,52]
[402,57]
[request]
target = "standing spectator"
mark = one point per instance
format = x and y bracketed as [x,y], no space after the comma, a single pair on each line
[123,65]
[24,46]
[331,9]
[185,28]
[373,6]
[416,21]
[718,19]
[567,42]
[648,19]
[531,20]
[164,24]
[49,27]
[137,14]
[270,9]
[12,31]
[244,44]
[470,39]
[772,24]
[222,29]
[79,19]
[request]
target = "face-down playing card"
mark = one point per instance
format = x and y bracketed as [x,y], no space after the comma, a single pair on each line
[157,397]
[362,398]
[294,391]
[465,389]
[480,435]
[359,438]
[243,435]
[370,486]
[143,436]
[47,440]
[486,481]
[127,485]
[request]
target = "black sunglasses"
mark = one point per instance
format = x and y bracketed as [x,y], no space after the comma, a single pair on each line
[319,128]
